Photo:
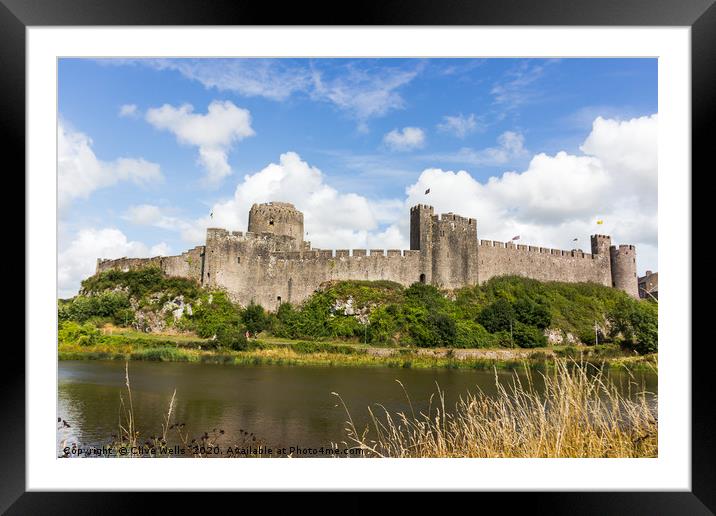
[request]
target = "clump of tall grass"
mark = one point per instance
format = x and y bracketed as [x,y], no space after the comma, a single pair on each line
[577,412]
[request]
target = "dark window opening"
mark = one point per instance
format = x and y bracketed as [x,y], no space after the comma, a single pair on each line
[271,222]
[238,259]
[422,278]
[278,298]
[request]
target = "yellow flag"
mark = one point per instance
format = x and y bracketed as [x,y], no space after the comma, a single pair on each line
[600,222]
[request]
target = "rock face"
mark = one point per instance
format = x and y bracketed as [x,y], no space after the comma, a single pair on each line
[150,320]
[347,307]
[272,263]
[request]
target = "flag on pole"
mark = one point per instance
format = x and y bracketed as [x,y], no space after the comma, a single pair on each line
[211,215]
[516,237]
[600,221]
[575,239]
[427,191]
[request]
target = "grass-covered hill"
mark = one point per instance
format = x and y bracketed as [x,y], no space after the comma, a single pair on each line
[506,311]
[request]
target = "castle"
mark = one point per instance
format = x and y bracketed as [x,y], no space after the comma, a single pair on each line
[271,263]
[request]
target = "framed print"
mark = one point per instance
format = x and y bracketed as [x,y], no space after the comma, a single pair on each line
[424,245]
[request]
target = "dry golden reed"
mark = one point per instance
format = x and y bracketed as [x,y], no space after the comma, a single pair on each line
[579,412]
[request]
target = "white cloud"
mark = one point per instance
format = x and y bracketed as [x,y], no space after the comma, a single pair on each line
[332,219]
[80,172]
[408,138]
[459,125]
[213,133]
[510,145]
[357,88]
[79,260]
[274,79]
[151,215]
[128,111]
[363,93]
[517,87]
[560,197]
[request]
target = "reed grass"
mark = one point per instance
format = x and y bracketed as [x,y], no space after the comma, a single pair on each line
[578,412]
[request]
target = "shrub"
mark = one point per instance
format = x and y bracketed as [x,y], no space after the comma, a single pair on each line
[637,322]
[532,313]
[214,312]
[470,334]
[497,316]
[232,337]
[254,318]
[70,332]
[528,336]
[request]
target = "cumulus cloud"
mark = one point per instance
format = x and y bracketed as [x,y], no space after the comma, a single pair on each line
[406,139]
[459,125]
[80,172]
[128,111]
[214,133]
[510,145]
[332,219]
[560,197]
[79,259]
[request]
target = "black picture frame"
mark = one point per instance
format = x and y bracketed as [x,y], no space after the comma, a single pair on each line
[700,15]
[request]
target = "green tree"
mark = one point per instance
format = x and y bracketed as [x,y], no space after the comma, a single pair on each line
[254,318]
[497,316]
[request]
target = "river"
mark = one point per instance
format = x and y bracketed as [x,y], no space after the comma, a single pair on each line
[282,406]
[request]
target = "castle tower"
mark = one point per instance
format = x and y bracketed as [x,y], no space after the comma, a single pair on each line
[421,239]
[277,218]
[601,244]
[623,264]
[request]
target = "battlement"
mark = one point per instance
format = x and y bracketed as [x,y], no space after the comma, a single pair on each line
[419,207]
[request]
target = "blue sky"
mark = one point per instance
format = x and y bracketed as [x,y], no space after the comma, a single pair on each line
[148,148]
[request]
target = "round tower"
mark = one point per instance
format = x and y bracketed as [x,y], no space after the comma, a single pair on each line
[623,264]
[277,218]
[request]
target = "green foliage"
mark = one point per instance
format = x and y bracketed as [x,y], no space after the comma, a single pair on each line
[114,306]
[526,336]
[71,332]
[498,316]
[139,283]
[213,312]
[637,322]
[532,313]
[254,318]
[232,337]
[470,334]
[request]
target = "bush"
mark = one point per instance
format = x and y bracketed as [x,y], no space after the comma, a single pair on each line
[109,305]
[254,318]
[528,336]
[232,337]
[532,313]
[214,312]
[70,332]
[470,334]
[637,323]
[497,316]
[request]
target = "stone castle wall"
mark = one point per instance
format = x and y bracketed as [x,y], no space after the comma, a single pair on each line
[275,266]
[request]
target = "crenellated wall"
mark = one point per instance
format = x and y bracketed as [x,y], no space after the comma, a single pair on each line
[275,265]
[189,264]
[541,263]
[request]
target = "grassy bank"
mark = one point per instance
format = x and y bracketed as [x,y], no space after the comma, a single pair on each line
[130,345]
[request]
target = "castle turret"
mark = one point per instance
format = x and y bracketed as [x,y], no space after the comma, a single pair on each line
[277,218]
[623,265]
[601,244]
[421,239]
